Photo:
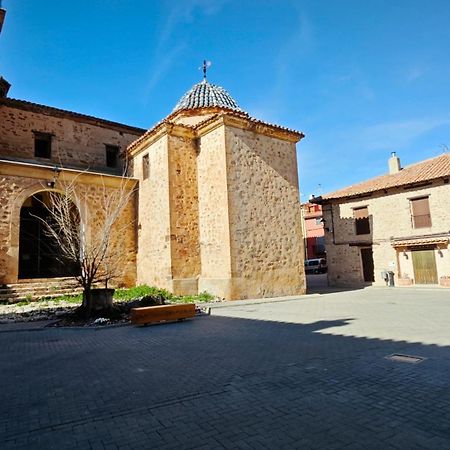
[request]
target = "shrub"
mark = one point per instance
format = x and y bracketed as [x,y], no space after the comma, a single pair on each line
[141,291]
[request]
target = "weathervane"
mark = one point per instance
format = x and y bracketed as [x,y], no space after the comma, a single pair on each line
[206,65]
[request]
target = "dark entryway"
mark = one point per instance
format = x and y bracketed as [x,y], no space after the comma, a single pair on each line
[367,264]
[424,263]
[39,254]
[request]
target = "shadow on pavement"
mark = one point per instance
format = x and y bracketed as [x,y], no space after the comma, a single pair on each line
[221,382]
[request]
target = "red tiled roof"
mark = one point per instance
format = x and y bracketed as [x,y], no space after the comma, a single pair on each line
[417,242]
[430,169]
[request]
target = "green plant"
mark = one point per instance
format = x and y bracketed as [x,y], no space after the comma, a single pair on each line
[141,291]
[203,297]
[77,299]
[22,303]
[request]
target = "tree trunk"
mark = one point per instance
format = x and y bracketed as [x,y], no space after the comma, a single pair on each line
[87,301]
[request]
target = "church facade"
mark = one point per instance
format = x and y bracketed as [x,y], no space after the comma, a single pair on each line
[216,205]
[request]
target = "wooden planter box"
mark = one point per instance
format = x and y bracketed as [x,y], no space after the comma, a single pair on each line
[405,281]
[163,313]
[444,281]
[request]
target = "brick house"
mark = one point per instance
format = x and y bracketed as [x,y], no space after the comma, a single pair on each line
[398,222]
[313,230]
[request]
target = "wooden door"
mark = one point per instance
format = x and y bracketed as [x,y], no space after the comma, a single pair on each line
[367,264]
[424,264]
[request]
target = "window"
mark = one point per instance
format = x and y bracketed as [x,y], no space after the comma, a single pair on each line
[420,213]
[112,155]
[145,167]
[319,221]
[42,145]
[361,216]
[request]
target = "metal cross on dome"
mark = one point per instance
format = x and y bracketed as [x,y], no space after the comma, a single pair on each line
[205,67]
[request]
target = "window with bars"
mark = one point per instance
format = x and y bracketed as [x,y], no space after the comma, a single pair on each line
[145,167]
[420,212]
[361,216]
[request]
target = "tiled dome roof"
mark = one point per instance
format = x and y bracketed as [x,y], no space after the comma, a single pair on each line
[203,95]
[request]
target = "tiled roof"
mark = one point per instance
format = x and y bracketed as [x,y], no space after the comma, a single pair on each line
[430,169]
[417,242]
[204,95]
[51,111]
[208,120]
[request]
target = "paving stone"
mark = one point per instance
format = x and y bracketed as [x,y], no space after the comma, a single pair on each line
[300,373]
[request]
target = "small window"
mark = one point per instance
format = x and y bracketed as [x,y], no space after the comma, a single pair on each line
[420,213]
[42,145]
[318,220]
[112,155]
[361,216]
[145,167]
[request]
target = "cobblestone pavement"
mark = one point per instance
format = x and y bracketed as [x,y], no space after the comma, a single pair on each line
[306,373]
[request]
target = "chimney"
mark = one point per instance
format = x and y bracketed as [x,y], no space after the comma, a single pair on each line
[394,164]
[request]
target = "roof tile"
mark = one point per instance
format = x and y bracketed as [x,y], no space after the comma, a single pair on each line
[423,171]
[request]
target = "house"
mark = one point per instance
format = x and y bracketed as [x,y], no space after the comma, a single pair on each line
[399,222]
[217,205]
[313,230]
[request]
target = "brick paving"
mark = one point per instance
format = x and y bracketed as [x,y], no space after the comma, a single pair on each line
[306,373]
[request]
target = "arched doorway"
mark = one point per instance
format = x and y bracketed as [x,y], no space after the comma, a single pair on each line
[40,254]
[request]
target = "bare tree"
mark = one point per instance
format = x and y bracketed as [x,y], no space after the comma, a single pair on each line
[95,248]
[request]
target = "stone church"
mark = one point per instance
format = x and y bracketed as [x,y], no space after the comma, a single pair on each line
[216,206]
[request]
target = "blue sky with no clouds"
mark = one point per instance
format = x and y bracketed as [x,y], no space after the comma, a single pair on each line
[359,78]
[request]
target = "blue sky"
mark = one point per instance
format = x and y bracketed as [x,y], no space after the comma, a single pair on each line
[359,78]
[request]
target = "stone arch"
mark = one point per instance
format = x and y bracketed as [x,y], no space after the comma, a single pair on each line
[14,224]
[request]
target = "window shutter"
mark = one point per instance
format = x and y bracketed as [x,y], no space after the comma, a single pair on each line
[420,210]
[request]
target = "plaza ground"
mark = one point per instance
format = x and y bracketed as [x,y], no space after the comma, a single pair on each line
[305,372]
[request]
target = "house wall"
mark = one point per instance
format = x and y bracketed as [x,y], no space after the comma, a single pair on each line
[313,230]
[75,143]
[18,183]
[390,218]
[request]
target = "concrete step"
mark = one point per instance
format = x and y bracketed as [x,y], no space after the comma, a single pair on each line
[32,293]
[34,289]
[32,299]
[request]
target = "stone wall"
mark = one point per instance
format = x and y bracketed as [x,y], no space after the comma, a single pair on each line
[214,219]
[18,183]
[220,211]
[390,218]
[154,265]
[75,143]
[267,253]
[184,229]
